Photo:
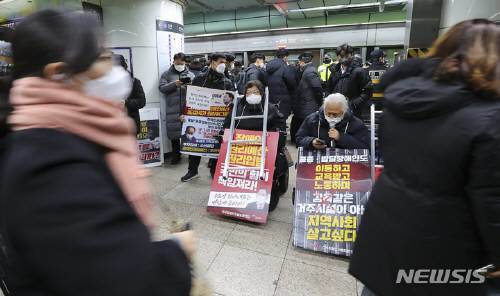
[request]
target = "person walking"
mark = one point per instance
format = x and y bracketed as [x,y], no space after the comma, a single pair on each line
[76,206]
[436,206]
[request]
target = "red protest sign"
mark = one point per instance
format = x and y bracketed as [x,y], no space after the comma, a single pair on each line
[243,195]
[333,186]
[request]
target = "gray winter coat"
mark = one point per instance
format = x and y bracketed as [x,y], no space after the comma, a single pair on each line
[173,101]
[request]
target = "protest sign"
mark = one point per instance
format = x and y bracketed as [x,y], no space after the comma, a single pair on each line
[203,120]
[243,195]
[333,186]
[149,137]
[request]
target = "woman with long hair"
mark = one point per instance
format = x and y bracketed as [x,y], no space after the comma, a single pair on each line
[75,206]
[433,218]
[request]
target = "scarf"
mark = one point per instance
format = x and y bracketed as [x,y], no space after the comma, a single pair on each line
[41,103]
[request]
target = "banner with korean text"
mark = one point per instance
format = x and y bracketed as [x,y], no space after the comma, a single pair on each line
[149,137]
[204,117]
[243,195]
[333,186]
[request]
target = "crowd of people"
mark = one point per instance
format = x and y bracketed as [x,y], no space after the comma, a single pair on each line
[76,209]
[294,90]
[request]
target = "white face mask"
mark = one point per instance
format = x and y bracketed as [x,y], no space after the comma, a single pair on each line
[180,68]
[116,85]
[254,99]
[221,68]
[333,120]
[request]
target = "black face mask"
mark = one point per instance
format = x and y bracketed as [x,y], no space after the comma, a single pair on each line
[327,60]
[345,62]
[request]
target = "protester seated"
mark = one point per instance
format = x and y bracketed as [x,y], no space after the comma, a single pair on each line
[253,104]
[333,126]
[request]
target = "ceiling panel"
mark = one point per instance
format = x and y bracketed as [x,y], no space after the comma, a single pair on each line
[311,3]
[317,13]
[221,4]
[336,2]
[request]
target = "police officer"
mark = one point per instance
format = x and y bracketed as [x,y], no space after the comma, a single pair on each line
[324,70]
[377,68]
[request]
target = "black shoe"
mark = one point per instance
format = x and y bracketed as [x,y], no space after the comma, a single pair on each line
[189,176]
[175,159]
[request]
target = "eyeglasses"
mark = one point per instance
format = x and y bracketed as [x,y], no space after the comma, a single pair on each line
[256,92]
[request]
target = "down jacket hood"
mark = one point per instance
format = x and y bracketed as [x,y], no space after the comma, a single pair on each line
[274,65]
[412,93]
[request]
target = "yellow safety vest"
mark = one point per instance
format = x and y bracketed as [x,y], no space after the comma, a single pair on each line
[324,72]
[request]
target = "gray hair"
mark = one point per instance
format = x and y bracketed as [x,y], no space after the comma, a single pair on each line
[337,98]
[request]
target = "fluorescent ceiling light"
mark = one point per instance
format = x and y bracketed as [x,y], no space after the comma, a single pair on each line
[349,6]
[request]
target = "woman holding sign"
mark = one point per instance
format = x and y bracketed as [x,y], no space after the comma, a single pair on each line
[253,104]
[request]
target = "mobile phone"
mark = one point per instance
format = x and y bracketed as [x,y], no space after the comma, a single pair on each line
[185,80]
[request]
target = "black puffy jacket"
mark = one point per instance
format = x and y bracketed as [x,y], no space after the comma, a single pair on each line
[69,228]
[275,120]
[281,83]
[214,80]
[309,94]
[254,73]
[4,105]
[354,84]
[135,101]
[437,203]
[353,133]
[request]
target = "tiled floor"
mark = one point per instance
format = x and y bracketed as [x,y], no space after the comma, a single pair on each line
[246,259]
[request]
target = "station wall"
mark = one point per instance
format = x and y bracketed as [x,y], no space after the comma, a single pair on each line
[386,34]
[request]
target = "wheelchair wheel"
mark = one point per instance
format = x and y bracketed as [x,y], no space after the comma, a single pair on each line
[275,197]
[283,182]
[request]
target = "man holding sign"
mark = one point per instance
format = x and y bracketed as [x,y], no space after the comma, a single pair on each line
[214,78]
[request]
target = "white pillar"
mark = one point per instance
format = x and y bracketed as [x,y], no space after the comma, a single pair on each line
[134,24]
[455,11]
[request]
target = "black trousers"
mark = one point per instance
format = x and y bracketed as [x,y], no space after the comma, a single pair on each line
[176,147]
[294,126]
[194,163]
